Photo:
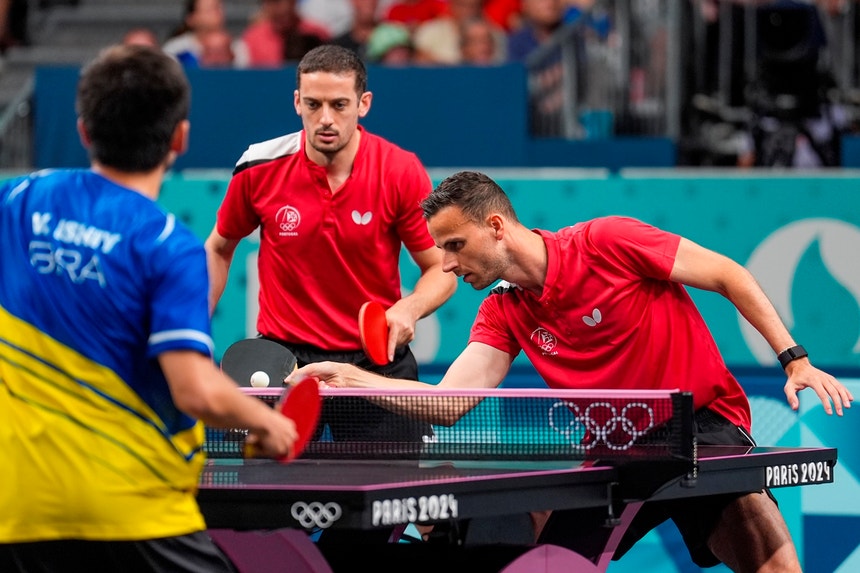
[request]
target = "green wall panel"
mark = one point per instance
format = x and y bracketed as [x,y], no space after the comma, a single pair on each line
[799,233]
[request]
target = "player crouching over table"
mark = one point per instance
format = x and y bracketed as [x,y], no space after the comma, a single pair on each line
[602,304]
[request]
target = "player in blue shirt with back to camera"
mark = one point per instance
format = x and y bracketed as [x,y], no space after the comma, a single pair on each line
[106,369]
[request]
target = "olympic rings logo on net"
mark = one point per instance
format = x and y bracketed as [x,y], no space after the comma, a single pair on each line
[602,423]
[315,514]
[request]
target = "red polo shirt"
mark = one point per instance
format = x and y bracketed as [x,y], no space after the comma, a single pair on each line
[322,254]
[609,317]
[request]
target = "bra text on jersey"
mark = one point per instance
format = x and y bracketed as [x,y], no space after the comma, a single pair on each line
[78,264]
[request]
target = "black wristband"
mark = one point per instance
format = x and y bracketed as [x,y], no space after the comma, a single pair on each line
[790,354]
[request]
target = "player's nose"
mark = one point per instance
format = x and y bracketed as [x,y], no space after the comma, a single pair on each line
[327,116]
[450,263]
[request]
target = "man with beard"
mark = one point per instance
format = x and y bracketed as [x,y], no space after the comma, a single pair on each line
[611,292]
[333,203]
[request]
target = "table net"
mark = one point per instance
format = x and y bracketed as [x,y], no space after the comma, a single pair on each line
[494,424]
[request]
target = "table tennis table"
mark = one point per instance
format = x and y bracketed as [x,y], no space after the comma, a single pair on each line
[365,495]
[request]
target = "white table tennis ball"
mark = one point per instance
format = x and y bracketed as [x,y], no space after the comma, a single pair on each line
[259,379]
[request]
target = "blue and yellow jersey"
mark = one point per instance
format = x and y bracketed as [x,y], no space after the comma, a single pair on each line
[96,281]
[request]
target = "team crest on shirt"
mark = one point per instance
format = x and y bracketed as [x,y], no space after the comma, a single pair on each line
[544,340]
[288,219]
[361,219]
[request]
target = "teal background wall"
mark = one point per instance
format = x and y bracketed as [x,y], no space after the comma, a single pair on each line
[799,234]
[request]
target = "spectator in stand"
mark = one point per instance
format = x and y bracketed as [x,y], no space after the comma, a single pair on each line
[141,37]
[438,40]
[480,44]
[334,15]
[200,17]
[411,13]
[279,35]
[541,19]
[391,45]
[504,13]
[13,24]
[217,49]
[590,13]
[364,21]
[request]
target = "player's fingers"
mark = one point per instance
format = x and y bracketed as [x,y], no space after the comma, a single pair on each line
[840,396]
[844,393]
[826,398]
[392,344]
[791,396]
[325,373]
[292,430]
[298,374]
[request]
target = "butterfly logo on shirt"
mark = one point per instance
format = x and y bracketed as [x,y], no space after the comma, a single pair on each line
[360,219]
[595,318]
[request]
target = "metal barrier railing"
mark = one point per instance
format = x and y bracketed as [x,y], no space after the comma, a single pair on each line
[587,82]
[16,131]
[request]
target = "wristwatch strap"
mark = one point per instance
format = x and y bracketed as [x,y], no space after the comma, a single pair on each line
[791,353]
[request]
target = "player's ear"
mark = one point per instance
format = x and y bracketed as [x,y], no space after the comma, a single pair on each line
[179,143]
[296,102]
[364,103]
[497,223]
[82,134]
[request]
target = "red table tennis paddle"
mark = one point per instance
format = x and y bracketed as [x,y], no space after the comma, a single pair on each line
[373,331]
[244,358]
[302,404]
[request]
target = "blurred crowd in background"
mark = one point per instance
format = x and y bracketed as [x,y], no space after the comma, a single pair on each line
[734,82]
[391,32]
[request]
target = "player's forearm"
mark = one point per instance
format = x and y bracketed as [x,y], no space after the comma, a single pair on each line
[355,377]
[218,272]
[220,404]
[344,375]
[218,266]
[702,268]
[432,289]
[423,407]
[752,302]
[226,407]
[203,392]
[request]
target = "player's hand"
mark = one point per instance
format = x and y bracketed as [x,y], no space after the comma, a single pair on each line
[832,393]
[401,325]
[275,439]
[328,374]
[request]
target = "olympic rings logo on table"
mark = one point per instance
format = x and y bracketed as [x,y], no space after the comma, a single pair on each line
[602,422]
[316,514]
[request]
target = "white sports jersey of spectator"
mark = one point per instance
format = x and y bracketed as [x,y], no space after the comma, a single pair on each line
[334,15]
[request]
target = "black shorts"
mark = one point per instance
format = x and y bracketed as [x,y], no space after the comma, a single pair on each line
[193,553]
[378,424]
[582,530]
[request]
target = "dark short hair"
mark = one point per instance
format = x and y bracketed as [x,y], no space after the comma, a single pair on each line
[333,60]
[131,99]
[474,193]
